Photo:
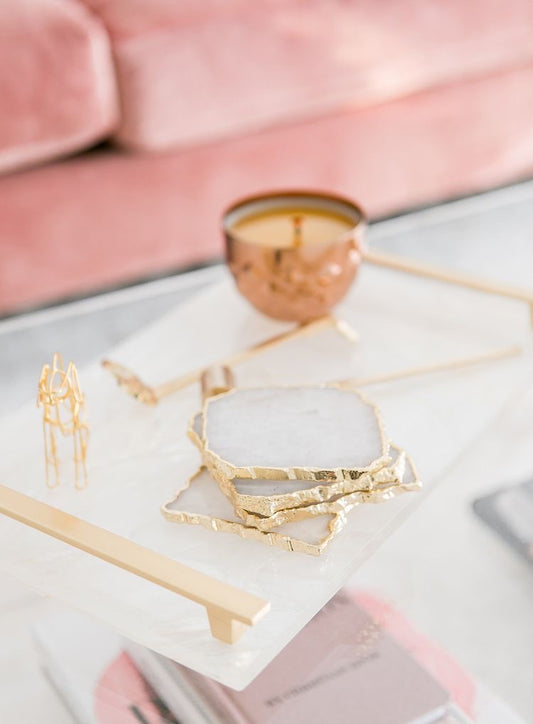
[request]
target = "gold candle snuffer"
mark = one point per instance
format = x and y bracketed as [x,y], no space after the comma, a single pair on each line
[150,395]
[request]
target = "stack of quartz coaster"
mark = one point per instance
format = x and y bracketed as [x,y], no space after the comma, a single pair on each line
[285,466]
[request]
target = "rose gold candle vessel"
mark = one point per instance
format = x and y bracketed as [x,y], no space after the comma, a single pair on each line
[295,283]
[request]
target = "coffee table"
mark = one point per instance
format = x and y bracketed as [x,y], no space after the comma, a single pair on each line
[443,568]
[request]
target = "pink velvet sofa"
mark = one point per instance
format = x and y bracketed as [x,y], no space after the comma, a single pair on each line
[397,103]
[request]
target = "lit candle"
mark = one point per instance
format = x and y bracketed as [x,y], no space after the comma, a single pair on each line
[294,255]
[285,228]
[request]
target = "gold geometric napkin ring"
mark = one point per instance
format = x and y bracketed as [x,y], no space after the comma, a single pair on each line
[63,404]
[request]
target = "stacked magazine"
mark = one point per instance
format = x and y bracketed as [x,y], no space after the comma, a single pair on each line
[359,661]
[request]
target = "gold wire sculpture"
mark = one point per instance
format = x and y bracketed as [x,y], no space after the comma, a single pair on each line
[63,405]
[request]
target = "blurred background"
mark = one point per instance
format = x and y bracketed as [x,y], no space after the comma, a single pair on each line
[126,126]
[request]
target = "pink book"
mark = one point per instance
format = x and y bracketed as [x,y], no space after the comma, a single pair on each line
[342,667]
[359,660]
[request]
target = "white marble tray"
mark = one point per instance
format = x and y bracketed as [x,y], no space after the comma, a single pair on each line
[139,457]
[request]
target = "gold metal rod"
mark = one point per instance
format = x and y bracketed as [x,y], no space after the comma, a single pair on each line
[229,609]
[493,356]
[302,330]
[151,395]
[403,264]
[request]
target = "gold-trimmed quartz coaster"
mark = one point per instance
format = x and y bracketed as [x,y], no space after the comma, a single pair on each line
[340,505]
[259,495]
[322,433]
[266,497]
[201,502]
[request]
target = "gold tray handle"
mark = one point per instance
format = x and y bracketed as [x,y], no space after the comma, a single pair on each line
[229,610]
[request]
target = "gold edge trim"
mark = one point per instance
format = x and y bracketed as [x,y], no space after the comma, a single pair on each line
[270,538]
[267,506]
[341,506]
[320,475]
[193,435]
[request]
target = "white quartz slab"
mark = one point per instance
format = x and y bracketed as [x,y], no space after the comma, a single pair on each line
[288,427]
[140,456]
[205,504]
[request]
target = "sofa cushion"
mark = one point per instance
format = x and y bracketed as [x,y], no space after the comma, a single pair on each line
[192,72]
[57,84]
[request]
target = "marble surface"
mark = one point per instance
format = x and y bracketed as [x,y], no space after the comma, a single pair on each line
[140,455]
[294,427]
[454,567]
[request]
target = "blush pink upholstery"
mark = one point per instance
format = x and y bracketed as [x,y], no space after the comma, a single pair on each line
[57,82]
[110,217]
[191,72]
[396,103]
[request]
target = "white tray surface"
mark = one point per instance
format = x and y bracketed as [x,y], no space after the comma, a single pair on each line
[140,456]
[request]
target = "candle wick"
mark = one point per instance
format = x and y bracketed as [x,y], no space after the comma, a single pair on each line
[297,229]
